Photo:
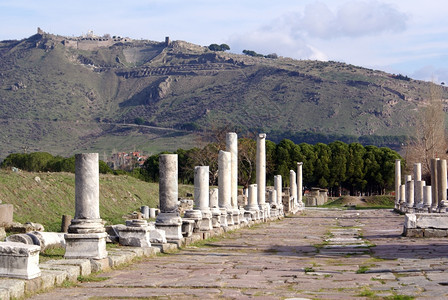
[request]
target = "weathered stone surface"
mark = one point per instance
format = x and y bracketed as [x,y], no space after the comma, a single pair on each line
[19,260]
[91,245]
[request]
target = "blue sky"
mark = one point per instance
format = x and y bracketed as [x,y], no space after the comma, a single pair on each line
[398,36]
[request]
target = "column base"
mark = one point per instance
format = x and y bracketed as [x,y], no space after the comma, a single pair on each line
[134,236]
[90,245]
[172,224]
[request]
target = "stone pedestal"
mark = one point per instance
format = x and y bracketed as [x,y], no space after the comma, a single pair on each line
[196,216]
[19,260]
[169,218]
[86,237]
[88,245]
[152,212]
[135,235]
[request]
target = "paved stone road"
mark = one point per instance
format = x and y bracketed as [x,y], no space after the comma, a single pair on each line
[323,254]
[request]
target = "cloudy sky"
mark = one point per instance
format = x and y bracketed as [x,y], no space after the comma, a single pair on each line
[398,36]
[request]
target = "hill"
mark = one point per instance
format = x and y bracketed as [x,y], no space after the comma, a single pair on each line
[53,195]
[64,95]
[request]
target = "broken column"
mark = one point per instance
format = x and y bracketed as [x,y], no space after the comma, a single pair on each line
[418,194]
[169,218]
[252,207]
[299,183]
[273,203]
[442,185]
[427,198]
[232,147]
[397,182]
[261,172]
[214,208]
[279,188]
[201,196]
[224,186]
[86,237]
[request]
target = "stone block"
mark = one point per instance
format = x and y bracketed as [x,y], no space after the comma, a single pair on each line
[187,227]
[134,236]
[19,260]
[15,288]
[431,232]
[59,275]
[48,279]
[413,232]
[33,285]
[84,265]
[6,214]
[71,272]
[157,236]
[100,264]
[165,247]
[88,245]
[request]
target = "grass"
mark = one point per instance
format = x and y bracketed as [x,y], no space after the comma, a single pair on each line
[367,202]
[362,269]
[93,277]
[308,269]
[54,196]
[51,253]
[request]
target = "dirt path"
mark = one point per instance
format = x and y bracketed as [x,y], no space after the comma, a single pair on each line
[324,254]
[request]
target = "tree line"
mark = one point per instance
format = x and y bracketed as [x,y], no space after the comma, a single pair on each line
[336,166]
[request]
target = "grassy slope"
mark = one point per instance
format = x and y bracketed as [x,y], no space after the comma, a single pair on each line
[67,106]
[54,196]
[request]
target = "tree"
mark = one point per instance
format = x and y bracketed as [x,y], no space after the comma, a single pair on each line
[321,166]
[247,149]
[216,47]
[355,168]
[338,166]
[430,138]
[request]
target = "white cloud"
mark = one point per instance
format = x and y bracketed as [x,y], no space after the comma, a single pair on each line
[352,19]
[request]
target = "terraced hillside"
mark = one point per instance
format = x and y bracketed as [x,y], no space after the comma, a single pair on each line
[65,95]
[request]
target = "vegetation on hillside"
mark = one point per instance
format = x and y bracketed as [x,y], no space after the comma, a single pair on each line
[45,200]
[63,100]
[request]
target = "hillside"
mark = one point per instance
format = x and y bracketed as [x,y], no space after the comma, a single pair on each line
[65,95]
[45,201]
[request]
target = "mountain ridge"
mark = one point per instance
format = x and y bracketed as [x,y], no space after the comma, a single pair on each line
[64,94]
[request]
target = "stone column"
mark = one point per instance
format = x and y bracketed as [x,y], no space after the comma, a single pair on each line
[409,194]
[169,218]
[224,186]
[252,207]
[279,188]
[273,203]
[417,177]
[293,188]
[202,196]
[299,183]
[427,191]
[434,185]
[232,147]
[441,183]
[418,194]
[86,237]
[261,170]
[397,182]
[214,207]
[402,196]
